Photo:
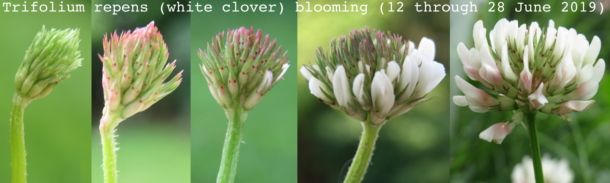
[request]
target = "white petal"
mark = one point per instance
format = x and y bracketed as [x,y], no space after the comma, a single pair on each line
[593,51]
[508,71]
[405,75]
[497,132]
[358,88]
[361,66]
[525,78]
[512,30]
[437,75]
[425,76]
[393,70]
[533,34]
[316,87]
[574,106]
[465,58]
[537,99]
[584,91]
[330,73]
[499,35]
[475,34]
[382,94]
[341,87]
[411,47]
[475,58]
[550,35]
[418,57]
[521,37]
[460,100]
[410,76]
[427,48]
[585,74]
[489,70]
[284,69]
[587,90]
[475,96]
[317,68]
[306,74]
[598,71]
[581,45]
[482,38]
[568,70]
[464,54]
[266,83]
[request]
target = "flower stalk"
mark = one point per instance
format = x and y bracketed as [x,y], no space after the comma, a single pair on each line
[18,162]
[49,60]
[134,72]
[109,147]
[230,150]
[362,159]
[240,67]
[535,146]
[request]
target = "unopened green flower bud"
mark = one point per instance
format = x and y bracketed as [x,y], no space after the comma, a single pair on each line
[135,68]
[241,66]
[49,60]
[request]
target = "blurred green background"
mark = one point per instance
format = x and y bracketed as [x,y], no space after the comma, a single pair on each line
[583,142]
[154,144]
[57,129]
[412,147]
[269,151]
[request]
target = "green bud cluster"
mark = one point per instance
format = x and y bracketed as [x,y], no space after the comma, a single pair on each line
[241,66]
[48,61]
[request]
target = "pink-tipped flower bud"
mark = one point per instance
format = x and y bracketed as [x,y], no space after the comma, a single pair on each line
[135,70]
[241,66]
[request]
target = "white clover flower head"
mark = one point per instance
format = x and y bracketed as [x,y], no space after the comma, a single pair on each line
[530,69]
[241,66]
[373,75]
[554,171]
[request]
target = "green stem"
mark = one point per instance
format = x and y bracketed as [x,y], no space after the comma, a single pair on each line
[107,126]
[230,150]
[535,146]
[361,161]
[18,162]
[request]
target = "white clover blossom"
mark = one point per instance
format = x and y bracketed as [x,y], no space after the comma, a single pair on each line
[555,171]
[241,66]
[374,75]
[529,69]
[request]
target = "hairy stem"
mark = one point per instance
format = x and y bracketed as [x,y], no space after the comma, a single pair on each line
[230,150]
[18,164]
[361,161]
[107,126]
[535,146]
